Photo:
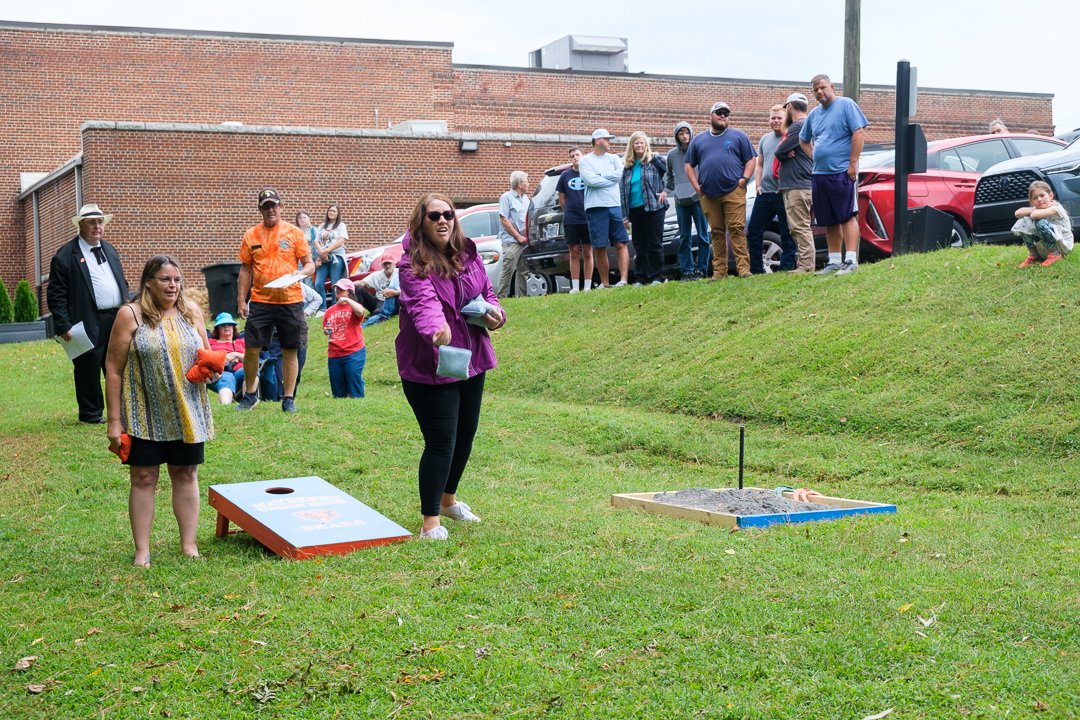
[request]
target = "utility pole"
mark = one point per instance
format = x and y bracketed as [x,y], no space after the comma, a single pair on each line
[852,30]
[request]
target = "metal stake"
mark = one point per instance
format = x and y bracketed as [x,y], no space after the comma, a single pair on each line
[742,446]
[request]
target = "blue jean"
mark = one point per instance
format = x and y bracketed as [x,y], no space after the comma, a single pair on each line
[229,380]
[334,268]
[388,310]
[766,207]
[347,374]
[685,215]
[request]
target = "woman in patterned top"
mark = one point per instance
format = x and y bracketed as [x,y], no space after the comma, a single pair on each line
[155,340]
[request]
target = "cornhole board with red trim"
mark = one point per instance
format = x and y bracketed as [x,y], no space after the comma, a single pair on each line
[301,517]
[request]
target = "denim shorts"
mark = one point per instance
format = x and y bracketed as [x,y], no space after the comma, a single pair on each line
[606,226]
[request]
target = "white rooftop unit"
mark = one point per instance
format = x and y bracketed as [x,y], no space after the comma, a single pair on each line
[582,52]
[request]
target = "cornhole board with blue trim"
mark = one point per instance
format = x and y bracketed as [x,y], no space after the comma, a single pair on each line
[301,517]
[844,507]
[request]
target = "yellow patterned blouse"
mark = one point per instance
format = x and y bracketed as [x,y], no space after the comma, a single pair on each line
[158,402]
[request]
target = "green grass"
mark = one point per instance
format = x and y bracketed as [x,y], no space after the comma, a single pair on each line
[945,383]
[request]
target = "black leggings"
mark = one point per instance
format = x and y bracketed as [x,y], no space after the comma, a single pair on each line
[448,416]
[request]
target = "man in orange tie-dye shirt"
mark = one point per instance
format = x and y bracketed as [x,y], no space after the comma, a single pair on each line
[271,251]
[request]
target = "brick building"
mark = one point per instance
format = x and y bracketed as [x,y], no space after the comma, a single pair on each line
[174,131]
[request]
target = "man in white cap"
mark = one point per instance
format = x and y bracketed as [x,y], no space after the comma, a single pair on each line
[87,285]
[602,171]
[796,169]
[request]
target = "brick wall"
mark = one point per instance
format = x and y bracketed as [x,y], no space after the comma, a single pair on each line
[548,101]
[55,78]
[190,192]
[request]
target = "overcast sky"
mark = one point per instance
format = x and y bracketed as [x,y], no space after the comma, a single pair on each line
[983,45]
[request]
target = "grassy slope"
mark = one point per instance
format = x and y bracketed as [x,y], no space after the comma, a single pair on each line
[944,383]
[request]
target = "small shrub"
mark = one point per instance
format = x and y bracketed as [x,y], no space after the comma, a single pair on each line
[26,307]
[7,313]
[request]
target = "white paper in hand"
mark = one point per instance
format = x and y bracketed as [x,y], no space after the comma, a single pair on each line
[79,342]
[284,281]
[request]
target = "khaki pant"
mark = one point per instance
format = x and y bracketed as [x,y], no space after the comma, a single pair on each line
[797,205]
[727,216]
[512,263]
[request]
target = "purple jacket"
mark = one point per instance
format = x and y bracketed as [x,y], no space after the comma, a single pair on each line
[428,303]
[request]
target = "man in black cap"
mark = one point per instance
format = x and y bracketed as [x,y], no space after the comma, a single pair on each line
[719,164]
[271,251]
[87,285]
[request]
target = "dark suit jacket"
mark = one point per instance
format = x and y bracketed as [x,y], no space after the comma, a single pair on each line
[70,293]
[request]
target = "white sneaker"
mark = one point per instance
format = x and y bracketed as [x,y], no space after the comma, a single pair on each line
[573,289]
[587,286]
[621,283]
[459,511]
[435,533]
[847,267]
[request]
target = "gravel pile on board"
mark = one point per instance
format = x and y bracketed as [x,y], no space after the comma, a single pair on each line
[736,502]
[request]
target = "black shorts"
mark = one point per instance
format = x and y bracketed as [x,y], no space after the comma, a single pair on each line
[151,453]
[289,320]
[577,234]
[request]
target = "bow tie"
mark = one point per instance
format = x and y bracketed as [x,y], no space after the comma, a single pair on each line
[99,253]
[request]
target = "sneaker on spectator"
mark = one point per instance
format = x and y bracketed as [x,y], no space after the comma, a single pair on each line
[621,283]
[573,289]
[250,400]
[1028,262]
[830,268]
[1051,259]
[435,533]
[288,405]
[847,267]
[459,511]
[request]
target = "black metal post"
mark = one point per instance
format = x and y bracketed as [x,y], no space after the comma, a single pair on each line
[902,151]
[742,447]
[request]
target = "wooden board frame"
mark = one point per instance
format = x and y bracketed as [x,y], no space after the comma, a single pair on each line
[229,511]
[644,501]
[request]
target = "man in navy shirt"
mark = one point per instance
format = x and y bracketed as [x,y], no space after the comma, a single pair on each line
[719,164]
[576,223]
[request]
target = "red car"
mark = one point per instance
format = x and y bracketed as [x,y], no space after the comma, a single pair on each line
[953,168]
[478,222]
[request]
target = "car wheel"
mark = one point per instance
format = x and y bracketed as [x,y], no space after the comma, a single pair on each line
[960,237]
[535,284]
[771,252]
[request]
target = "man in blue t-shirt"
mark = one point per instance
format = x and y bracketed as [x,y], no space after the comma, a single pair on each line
[833,135]
[719,164]
[575,223]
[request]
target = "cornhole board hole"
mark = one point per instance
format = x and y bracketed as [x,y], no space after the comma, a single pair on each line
[843,507]
[301,517]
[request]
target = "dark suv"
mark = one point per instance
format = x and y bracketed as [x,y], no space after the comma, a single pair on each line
[1004,188]
[547,257]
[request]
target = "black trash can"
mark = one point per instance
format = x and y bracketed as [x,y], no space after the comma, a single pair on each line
[222,285]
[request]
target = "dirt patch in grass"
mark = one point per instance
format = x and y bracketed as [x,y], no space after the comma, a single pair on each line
[749,501]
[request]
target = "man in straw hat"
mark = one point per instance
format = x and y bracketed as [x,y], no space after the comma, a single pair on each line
[86,284]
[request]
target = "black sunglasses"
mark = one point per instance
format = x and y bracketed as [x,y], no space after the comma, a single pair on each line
[434,215]
[722,113]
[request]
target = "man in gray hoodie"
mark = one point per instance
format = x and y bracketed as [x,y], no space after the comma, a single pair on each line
[687,209]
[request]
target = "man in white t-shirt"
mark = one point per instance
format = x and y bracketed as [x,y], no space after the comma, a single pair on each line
[384,284]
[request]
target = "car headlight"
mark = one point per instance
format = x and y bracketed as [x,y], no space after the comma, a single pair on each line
[1069,166]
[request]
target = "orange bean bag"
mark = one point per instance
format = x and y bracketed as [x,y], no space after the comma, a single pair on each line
[125,448]
[208,363]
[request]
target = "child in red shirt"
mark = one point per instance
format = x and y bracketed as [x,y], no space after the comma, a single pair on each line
[345,352]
